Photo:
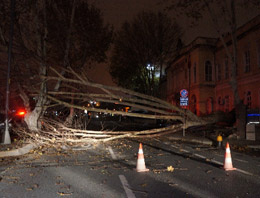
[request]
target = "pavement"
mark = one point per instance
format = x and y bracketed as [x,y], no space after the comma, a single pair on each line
[211,140]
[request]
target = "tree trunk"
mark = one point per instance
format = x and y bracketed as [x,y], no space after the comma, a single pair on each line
[241,120]
[239,106]
[31,119]
[69,119]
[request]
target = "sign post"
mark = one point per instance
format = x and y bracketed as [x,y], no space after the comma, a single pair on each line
[184,101]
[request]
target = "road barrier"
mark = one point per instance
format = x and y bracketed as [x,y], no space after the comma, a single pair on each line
[228,161]
[140,167]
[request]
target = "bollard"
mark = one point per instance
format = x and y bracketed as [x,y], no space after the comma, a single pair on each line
[219,139]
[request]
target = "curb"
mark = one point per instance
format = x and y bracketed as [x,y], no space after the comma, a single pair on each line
[207,142]
[20,151]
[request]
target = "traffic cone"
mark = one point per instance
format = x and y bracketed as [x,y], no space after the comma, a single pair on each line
[228,161]
[140,167]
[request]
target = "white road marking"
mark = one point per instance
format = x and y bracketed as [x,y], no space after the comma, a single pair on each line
[245,172]
[112,153]
[127,188]
[200,156]
[217,162]
[241,160]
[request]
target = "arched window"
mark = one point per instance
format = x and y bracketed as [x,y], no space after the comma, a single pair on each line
[209,105]
[208,71]
[194,73]
[259,97]
[249,99]
[226,103]
[226,67]
[220,103]
[219,72]
[193,104]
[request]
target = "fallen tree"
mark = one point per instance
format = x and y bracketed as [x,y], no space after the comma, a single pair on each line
[56,132]
[159,109]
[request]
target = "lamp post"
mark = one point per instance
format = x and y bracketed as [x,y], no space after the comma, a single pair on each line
[6,136]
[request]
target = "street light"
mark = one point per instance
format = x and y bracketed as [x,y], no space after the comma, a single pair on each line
[6,137]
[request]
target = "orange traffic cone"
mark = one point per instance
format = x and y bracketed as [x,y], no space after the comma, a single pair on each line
[228,161]
[140,167]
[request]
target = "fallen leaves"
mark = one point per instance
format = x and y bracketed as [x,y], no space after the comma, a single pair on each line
[32,174]
[170,169]
[64,193]
[30,188]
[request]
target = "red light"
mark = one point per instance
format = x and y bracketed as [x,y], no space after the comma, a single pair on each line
[21,113]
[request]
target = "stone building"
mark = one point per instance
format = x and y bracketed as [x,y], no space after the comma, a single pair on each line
[203,68]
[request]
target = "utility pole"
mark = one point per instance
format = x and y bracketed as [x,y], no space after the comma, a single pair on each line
[6,137]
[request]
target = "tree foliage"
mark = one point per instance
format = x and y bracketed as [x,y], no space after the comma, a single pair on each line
[50,33]
[141,49]
[90,37]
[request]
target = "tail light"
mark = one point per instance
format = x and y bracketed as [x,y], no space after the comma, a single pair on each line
[21,113]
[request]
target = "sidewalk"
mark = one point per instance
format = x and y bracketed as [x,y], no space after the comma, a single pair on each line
[190,138]
[238,144]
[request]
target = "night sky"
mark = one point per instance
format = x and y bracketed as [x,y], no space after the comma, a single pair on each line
[116,12]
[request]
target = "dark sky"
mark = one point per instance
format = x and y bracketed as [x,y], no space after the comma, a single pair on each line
[116,12]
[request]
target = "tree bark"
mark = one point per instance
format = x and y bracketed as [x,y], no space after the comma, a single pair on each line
[240,108]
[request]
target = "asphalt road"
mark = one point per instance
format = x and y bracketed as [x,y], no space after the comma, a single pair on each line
[108,170]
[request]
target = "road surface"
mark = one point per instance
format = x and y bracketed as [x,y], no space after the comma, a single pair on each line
[177,169]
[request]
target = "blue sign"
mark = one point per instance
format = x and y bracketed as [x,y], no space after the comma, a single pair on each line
[184,98]
[184,93]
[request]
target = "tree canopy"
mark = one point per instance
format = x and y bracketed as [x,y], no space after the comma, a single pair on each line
[142,48]
[50,33]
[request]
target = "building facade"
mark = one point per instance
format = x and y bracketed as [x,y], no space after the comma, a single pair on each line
[204,69]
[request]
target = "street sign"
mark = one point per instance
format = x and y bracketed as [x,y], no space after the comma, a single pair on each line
[184,100]
[184,93]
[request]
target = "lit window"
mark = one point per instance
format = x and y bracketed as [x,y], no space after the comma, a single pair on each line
[208,71]
[194,73]
[247,60]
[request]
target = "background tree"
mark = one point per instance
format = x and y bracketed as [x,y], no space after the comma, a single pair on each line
[57,33]
[224,17]
[142,49]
